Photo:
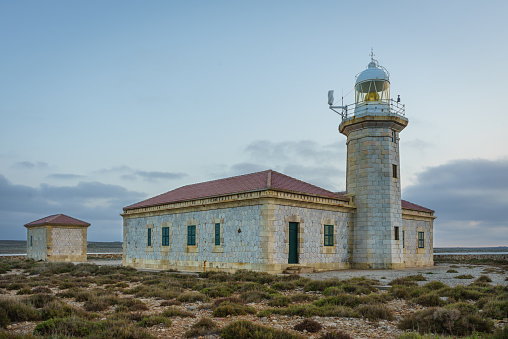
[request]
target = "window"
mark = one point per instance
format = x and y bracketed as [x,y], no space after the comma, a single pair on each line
[165,236]
[394,168]
[421,240]
[396,232]
[31,241]
[217,234]
[394,136]
[149,239]
[328,235]
[403,239]
[191,235]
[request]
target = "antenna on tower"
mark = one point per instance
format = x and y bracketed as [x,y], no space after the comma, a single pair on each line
[343,113]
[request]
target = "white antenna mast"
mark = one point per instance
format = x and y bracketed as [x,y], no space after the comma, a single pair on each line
[343,112]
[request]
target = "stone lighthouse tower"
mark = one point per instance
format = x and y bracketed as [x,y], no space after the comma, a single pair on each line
[372,129]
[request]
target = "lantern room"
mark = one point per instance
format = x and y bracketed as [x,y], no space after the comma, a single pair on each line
[372,90]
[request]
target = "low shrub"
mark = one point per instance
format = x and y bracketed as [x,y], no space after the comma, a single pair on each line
[284,286]
[336,335]
[464,276]
[359,285]
[483,278]
[461,293]
[225,309]
[100,303]
[39,300]
[217,291]
[306,311]
[434,285]
[15,311]
[58,309]
[303,297]
[320,285]
[405,281]
[279,301]
[247,330]
[308,325]
[132,304]
[339,300]
[175,312]
[258,277]
[496,309]
[153,320]
[170,303]
[429,300]
[204,327]
[233,300]
[256,296]
[77,327]
[452,271]
[41,289]
[191,297]
[450,320]
[375,312]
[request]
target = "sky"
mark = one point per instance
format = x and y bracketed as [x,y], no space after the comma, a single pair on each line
[107,103]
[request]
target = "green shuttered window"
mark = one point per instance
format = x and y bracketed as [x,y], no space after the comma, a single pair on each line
[191,235]
[217,234]
[165,236]
[421,240]
[149,237]
[328,235]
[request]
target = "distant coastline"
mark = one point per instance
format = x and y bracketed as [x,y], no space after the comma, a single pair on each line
[19,247]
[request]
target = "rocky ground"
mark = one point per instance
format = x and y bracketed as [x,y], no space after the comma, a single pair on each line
[356,327]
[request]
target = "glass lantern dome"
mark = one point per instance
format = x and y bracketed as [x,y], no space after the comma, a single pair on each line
[372,90]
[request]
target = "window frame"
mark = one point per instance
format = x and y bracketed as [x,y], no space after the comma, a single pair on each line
[396,232]
[165,236]
[191,235]
[328,235]
[403,239]
[395,171]
[421,239]
[31,241]
[217,230]
[149,237]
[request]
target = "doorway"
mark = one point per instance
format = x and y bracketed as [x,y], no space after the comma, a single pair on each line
[293,243]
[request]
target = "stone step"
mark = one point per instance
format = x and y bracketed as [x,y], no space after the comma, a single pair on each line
[298,270]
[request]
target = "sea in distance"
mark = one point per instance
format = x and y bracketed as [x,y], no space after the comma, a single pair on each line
[10,247]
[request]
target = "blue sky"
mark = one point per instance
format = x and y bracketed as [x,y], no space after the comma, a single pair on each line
[104,104]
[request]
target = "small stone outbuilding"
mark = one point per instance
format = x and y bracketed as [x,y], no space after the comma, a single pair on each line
[57,238]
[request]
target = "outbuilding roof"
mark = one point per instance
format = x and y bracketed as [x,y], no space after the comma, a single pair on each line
[259,181]
[411,206]
[58,219]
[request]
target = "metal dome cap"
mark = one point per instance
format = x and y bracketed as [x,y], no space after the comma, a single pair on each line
[373,72]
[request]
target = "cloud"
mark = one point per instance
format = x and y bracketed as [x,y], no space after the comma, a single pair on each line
[130,174]
[321,165]
[470,198]
[94,202]
[65,176]
[31,165]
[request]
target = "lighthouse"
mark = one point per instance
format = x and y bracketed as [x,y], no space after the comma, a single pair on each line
[372,126]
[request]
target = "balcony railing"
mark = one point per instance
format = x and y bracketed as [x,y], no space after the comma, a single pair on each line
[348,111]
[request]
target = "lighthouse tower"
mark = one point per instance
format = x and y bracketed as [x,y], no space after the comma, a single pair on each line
[373,169]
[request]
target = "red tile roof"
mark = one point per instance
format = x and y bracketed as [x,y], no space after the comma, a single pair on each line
[259,181]
[58,219]
[408,205]
[411,206]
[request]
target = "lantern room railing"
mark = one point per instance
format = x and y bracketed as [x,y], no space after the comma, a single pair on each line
[348,111]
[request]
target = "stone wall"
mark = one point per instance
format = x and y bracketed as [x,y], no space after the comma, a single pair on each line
[38,250]
[66,243]
[408,242]
[311,249]
[241,241]
[373,176]
[464,257]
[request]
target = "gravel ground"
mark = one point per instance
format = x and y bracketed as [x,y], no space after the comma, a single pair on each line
[438,272]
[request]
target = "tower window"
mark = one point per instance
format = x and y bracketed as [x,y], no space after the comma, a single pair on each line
[149,237]
[394,136]
[328,235]
[403,239]
[396,229]
[394,168]
[191,235]
[217,234]
[421,240]
[31,243]
[165,236]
